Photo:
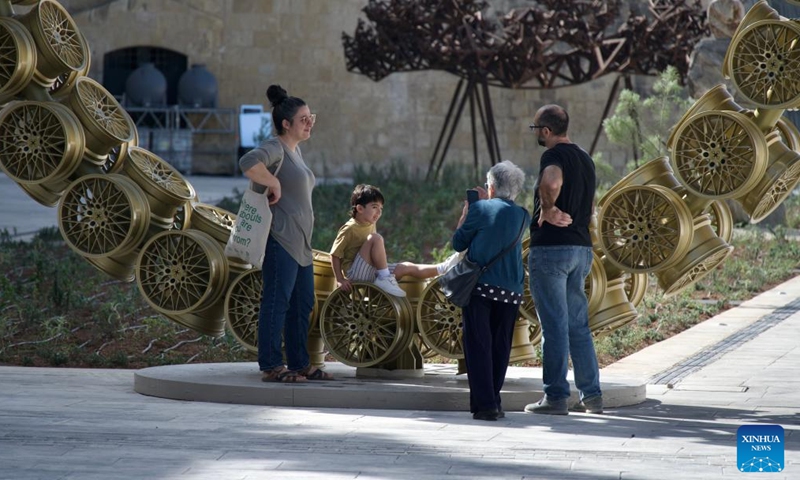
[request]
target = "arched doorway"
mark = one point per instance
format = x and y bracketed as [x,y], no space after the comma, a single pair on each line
[117,65]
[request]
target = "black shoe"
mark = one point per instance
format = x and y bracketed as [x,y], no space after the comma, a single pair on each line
[501,413]
[548,407]
[488,415]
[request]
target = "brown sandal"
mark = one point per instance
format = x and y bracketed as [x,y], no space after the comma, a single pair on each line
[282,375]
[313,373]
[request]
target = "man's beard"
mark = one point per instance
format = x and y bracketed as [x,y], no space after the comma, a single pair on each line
[540,141]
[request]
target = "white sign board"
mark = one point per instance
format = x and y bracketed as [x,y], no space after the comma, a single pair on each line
[250,127]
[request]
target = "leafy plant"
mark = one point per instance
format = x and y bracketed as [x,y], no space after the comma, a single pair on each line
[264,131]
[643,125]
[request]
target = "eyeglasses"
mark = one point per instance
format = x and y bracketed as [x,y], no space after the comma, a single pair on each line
[308,119]
[534,127]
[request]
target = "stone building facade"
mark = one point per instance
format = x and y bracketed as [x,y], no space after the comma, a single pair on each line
[248,44]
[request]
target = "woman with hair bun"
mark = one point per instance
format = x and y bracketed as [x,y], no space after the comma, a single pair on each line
[287,271]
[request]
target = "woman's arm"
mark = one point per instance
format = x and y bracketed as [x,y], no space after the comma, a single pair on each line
[259,174]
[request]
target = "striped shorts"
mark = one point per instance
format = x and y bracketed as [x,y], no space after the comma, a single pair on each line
[361,271]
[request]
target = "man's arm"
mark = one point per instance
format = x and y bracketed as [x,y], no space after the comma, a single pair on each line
[549,189]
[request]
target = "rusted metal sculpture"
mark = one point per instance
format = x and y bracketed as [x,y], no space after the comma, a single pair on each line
[552,44]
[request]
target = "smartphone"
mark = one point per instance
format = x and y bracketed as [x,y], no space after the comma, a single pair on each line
[472,196]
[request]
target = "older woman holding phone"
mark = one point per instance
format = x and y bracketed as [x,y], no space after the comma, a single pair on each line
[486,227]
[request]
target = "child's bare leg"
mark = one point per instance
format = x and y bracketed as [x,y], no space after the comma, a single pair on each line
[415,270]
[374,251]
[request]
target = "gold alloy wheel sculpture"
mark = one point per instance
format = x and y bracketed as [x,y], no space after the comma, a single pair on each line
[17,58]
[366,326]
[790,135]
[615,310]
[116,156]
[61,48]
[644,228]
[719,154]
[763,63]
[105,218]
[106,123]
[213,220]
[706,252]
[721,219]
[41,145]
[324,285]
[183,275]
[439,322]
[242,304]
[166,189]
[595,284]
[781,178]
[521,347]
[218,223]
[65,83]
[636,287]
[71,151]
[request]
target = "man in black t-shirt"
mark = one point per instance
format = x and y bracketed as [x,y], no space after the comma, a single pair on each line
[559,261]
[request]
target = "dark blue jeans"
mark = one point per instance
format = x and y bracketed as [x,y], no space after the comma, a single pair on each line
[488,328]
[286,304]
[557,279]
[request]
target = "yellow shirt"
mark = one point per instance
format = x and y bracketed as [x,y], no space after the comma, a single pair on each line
[349,240]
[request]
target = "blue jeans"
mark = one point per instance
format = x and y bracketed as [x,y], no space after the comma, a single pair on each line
[557,278]
[286,304]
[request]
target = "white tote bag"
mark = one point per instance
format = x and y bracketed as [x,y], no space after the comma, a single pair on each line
[248,240]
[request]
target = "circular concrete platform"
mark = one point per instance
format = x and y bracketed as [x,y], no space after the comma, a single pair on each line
[438,389]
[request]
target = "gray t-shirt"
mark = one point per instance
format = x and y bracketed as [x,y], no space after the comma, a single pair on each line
[293,215]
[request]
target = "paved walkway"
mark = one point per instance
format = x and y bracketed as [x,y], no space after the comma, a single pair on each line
[90,424]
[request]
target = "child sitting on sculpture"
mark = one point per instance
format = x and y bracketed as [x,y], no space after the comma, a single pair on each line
[359,255]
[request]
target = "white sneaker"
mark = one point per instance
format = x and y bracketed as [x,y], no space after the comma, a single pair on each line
[450,262]
[389,285]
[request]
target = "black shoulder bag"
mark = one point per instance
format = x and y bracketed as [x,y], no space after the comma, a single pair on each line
[458,283]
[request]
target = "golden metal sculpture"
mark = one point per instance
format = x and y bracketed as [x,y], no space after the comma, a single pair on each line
[166,189]
[106,123]
[18,62]
[635,287]
[521,345]
[615,310]
[41,143]
[105,218]
[782,176]
[61,47]
[65,140]
[764,63]
[719,154]
[706,252]
[242,304]
[439,322]
[183,274]
[644,227]
[366,326]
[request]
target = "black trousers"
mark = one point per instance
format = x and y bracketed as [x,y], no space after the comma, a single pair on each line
[488,328]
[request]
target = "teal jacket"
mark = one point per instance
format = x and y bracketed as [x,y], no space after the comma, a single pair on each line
[489,227]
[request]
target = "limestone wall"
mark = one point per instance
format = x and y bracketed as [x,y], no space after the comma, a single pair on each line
[248,44]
